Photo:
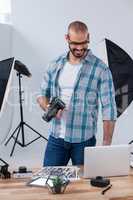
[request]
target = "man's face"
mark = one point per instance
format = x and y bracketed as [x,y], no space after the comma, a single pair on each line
[78,43]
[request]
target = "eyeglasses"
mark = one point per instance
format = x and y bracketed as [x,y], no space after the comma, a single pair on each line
[78,43]
[85,42]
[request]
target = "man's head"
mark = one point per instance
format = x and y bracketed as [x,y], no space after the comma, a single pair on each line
[78,38]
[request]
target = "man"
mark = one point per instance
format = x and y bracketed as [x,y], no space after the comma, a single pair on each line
[79,78]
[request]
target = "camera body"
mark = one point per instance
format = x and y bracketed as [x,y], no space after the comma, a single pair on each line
[99,181]
[55,105]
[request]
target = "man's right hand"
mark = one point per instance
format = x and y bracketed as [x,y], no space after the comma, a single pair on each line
[43,102]
[59,114]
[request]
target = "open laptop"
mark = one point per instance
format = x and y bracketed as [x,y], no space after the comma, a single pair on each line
[106,161]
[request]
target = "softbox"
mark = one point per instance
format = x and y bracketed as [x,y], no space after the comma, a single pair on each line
[121,66]
[6,68]
[6,74]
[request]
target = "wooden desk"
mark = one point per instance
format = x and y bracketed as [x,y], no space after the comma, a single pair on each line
[16,189]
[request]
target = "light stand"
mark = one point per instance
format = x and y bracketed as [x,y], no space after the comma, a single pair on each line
[20,128]
[4,173]
[4,162]
[130,142]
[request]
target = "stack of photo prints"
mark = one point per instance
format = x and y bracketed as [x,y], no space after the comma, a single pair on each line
[47,173]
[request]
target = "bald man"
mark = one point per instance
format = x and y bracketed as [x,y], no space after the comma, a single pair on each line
[79,79]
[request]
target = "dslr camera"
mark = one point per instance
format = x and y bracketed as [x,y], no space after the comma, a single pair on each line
[55,105]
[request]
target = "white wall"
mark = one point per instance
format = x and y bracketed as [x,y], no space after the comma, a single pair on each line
[5,6]
[5,41]
[39,28]
[5,11]
[5,52]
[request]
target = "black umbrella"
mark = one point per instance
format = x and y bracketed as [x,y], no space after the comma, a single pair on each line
[121,66]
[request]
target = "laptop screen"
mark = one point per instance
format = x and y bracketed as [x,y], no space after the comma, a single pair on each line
[107,161]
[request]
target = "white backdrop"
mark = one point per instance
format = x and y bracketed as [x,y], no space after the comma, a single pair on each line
[5,41]
[38,37]
[5,52]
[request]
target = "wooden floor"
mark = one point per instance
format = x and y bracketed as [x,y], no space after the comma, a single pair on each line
[14,189]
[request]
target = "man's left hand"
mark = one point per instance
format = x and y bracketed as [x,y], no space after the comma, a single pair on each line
[106,143]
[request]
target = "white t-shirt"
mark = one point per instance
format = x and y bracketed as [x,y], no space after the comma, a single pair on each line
[67,80]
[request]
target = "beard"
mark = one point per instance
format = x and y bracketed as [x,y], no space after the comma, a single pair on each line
[78,53]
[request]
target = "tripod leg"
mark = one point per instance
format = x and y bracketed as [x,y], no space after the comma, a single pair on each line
[35,131]
[32,141]
[12,135]
[3,161]
[15,141]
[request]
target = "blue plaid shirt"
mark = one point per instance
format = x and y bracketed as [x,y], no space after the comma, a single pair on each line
[94,82]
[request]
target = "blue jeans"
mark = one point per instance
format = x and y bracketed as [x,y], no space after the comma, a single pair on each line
[58,152]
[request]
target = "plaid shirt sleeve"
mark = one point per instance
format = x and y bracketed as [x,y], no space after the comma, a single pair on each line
[46,84]
[107,95]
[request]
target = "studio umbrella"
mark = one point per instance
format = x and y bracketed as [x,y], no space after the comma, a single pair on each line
[121,66]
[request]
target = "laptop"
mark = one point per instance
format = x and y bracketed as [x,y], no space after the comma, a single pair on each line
[106,161]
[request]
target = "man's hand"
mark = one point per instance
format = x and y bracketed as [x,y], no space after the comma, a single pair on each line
[108,129]
[59,114]
[106,142]
[43,102]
